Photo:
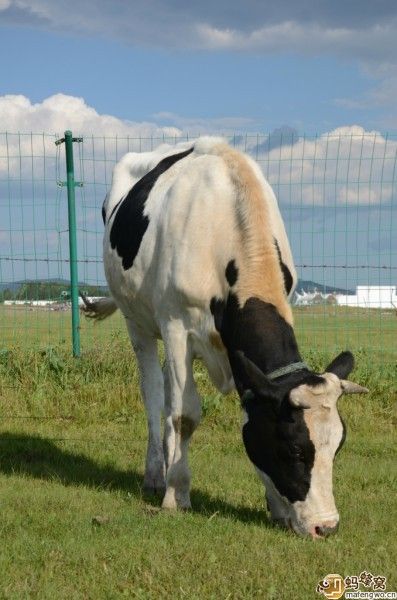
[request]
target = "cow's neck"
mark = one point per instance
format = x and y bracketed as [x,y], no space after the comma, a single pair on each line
[258,330]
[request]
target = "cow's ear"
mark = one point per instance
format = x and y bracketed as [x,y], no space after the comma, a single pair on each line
[253,378]
[342,365]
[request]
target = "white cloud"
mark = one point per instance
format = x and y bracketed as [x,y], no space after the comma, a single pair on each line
[377,42]
[55,115]
[60,112]
[354,31]
[373,47]
[367,33]
[348,165]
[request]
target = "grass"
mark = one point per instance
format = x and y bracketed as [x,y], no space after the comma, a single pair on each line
[320,327]
[72,444]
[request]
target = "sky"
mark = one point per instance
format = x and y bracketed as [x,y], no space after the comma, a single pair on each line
[273,69]
[313,65]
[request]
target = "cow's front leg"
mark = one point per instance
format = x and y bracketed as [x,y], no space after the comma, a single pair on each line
[152,390]
[184,411]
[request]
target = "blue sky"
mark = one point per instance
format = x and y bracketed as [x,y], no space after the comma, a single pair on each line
[260,92]
[313,65]
[156,67]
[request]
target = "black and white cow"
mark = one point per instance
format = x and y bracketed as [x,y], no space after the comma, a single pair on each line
[196,253]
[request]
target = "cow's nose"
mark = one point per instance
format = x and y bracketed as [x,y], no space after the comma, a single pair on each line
[326,529]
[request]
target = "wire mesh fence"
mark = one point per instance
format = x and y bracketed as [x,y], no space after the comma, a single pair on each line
[337,195]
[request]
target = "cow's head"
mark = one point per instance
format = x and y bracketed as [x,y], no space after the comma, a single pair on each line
[292,432]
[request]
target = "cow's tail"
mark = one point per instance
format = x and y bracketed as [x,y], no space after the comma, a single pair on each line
[98,309]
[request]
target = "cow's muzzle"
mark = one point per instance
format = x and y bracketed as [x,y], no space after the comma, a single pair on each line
[324,530]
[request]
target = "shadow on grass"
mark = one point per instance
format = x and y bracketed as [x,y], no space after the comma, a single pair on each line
[40,458]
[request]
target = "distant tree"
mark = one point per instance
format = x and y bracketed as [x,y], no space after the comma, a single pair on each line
[6,294]
[48,290]
[39,290]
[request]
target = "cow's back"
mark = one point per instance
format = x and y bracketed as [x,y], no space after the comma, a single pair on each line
[192,232]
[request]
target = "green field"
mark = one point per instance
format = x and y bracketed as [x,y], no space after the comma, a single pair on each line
[72,444]
[319,328]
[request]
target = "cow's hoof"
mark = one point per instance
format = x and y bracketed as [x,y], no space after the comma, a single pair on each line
[154,490]
[154,482]
[174,501]
[185,506]
[169,501]
[183,500]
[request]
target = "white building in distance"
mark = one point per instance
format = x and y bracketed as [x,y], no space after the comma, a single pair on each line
[39,303]
[370,296]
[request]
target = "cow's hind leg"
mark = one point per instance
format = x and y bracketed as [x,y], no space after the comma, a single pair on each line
[183,412]
[169,433]
[152,390]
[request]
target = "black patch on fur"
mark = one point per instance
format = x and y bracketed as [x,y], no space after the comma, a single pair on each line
[258,330]
[343,436]
[276,436]
[273,389]
[288,281]
[278,443]
[231,273]
[217,307]
[115,207]
[104,212]
[130,224]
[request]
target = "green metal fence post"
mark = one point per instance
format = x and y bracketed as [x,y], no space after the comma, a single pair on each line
[74,280]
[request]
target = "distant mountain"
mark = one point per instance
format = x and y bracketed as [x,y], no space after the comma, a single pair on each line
[311,286]
[15,285]
[64,284]
[46,289]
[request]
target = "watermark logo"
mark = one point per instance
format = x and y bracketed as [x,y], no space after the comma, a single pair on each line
[334,586]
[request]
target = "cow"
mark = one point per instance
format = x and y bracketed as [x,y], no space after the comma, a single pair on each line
[196,254]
